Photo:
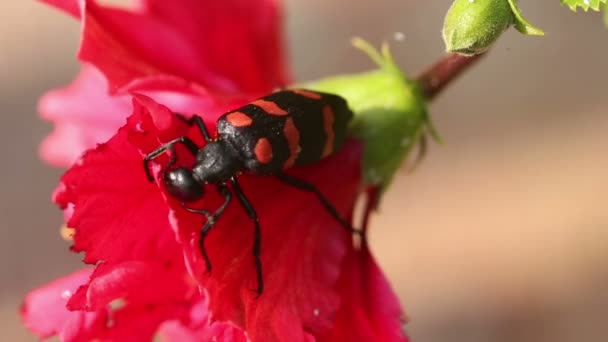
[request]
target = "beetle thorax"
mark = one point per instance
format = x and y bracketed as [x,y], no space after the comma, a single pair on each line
[216,163]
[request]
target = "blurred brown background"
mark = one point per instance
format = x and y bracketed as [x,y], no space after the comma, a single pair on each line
[500,235]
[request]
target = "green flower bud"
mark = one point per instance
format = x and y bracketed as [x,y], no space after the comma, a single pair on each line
[390,113]
[472,26]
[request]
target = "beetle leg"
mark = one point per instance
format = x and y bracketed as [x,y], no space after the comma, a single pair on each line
[169,147]
[305,186]
[257,233]
[198,121]
[211,220]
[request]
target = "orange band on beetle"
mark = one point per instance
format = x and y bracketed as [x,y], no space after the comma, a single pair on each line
[239,119]
[263,151]
[307,93]
[292,134]
[270,107]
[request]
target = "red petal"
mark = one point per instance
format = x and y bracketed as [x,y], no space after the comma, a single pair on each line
[369,309]
[240,41]
[302,251]
[44,311]
[117,214]
[127,46]
[71,7]
[185,43]
[140,323]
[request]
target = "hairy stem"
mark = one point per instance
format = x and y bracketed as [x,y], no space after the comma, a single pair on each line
[439,75]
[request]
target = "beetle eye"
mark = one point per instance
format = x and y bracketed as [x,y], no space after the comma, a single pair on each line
[181,185]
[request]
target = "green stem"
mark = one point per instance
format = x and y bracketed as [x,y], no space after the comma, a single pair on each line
[439,75]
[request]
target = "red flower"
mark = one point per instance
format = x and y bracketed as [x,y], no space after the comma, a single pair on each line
[109,309]
[196,57]
[227,47]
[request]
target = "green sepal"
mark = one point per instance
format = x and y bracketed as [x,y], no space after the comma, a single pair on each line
[585,5]
[390,113]
[471,27]
[521,24]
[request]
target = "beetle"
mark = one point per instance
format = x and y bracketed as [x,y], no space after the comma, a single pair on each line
[273,133]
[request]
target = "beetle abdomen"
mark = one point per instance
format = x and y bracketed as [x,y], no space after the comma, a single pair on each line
[286,128]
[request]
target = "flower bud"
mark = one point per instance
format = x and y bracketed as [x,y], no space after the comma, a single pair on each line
[390,113]
[472,26]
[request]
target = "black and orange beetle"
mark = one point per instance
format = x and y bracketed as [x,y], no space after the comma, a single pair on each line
[278,131]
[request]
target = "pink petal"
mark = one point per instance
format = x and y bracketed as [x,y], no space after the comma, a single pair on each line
[197,328]
[44,311]
[132,301]
[135,282]
[83,114]
[141,301]
[369,309]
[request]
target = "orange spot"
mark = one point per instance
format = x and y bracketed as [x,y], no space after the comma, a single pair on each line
[263,151]
[269,107]
[328,123]
[239,119]
[292,134]
[307,93]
